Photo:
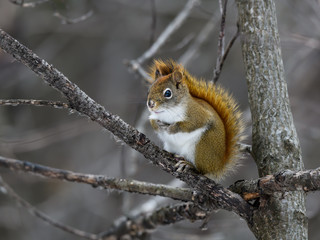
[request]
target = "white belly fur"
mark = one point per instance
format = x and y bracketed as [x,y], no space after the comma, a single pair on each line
[183,144]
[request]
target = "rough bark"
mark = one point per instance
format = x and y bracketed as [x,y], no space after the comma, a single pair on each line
[284,181]
[275,142]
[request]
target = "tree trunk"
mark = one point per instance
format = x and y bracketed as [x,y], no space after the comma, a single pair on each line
[275,142]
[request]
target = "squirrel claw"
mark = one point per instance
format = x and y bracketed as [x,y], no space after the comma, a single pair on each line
[182,164]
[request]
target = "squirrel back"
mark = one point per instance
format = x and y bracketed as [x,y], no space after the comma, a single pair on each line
[220,100]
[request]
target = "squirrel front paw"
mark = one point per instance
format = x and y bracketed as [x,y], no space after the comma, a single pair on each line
[163,125]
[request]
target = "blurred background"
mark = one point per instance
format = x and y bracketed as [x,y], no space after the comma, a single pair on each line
[92,53]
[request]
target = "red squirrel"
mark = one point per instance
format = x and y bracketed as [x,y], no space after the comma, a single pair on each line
[197,120]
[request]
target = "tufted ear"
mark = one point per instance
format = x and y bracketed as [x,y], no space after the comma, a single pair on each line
[177,78]
[157,74]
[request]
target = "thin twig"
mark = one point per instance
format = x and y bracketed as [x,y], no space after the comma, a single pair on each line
[41,138]
[171,28]
[223,9]
[217,70]
[137,68]
[66,20]
[153,21]
[37,103]
[200,39]
[183,194]
[6,189]
[182,44]
[30,4]
[204,9]
[135,65]
[222,26]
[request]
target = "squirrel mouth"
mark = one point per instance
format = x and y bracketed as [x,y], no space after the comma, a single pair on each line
[157,112]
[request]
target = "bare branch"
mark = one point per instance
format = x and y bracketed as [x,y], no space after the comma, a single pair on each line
[65,20]
[135,227]
[218,68]
[153,21]
[287,180]
[184,194]
[37,103]
[223,10]
[81,102]
[41,138]
[135,65]
[201,37]
[171,28]
[6,189]
[30,4]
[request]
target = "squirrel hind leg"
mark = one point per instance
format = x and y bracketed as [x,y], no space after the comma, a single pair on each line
[183,164]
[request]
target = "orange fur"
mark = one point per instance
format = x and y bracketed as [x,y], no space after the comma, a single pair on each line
[223,103]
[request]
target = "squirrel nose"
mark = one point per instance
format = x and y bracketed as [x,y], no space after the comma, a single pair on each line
[151,103]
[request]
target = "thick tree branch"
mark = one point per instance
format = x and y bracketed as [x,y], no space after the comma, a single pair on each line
[275,144]
[287,180]
[81,102]
[184,194]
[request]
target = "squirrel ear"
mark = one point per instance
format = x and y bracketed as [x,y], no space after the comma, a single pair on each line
[157,74]
[177,76]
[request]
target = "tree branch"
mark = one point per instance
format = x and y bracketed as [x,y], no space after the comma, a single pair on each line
[287,180]
[135,65]
[66,20]
[275,143]
[21,3]
[200,39]
[135,227]
[6,189]
[37,103]
[183,194]
[222,59]
[221,41]
[81,102]
[170,29]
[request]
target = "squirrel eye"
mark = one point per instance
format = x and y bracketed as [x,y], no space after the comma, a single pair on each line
[167,93]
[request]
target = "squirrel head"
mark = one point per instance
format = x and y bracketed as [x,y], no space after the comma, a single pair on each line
[168,95]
